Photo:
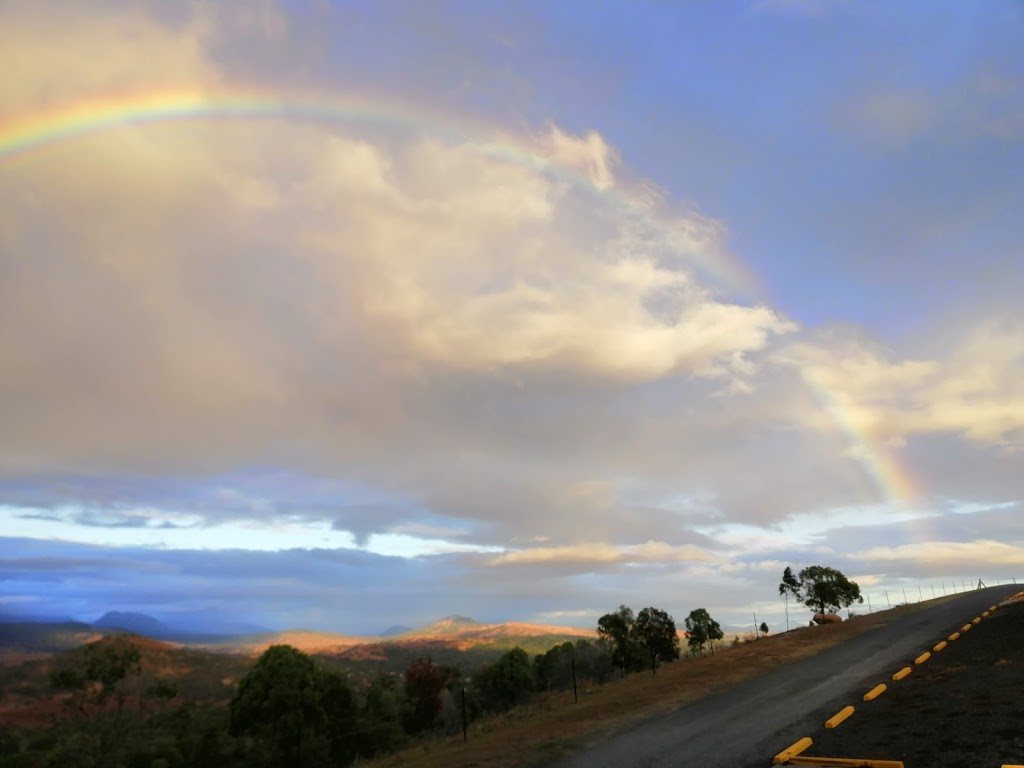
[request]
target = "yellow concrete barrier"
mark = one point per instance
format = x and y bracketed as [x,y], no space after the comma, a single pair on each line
[984,614]
[875,692]
[939,646]
[965,628]
[923,657]
[792,751]
[976,620]
[954,636]
[839,717]
[846,762]
[901,674]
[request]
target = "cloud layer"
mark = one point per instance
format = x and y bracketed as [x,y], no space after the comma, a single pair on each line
[503,346]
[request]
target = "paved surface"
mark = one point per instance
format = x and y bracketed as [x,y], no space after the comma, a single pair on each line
[745,726]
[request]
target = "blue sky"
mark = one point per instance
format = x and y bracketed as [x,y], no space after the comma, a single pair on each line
[596,303]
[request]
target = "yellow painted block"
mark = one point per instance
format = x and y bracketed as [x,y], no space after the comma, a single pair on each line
[875,692]
[846,762]
[984,614]
[839,717]
[901,674]
[923,657]
[954,636]
[965,628]
[939,646]
[792,751]
[976,620]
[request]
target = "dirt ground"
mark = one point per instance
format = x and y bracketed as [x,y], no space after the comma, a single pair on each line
[962,708]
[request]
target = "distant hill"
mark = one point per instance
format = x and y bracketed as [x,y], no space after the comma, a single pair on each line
[456,640]
[137,623]
[446,627]
[396,629]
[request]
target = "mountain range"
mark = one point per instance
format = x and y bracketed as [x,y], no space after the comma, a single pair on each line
[451,635]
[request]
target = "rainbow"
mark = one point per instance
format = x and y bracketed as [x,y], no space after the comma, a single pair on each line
[33,133]
[41,130]
[887,475]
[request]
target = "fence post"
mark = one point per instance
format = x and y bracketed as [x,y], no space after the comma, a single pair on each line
[575,695]
[465,734]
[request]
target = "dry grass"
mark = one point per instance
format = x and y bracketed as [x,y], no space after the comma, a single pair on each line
[555,726]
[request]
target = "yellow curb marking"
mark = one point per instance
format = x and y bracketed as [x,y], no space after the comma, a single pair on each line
[976,620]
[901,674]
[847,763]
[984,614]
[792,751]
[954,636]
[875,692]
[939,646]
[839,717]
[965,628]
[923,657]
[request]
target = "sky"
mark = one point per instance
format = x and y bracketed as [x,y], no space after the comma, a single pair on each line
[340,315]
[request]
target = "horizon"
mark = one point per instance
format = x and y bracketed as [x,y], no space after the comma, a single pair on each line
[351,314]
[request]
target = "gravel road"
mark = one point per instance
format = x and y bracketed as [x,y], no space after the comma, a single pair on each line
[747,725]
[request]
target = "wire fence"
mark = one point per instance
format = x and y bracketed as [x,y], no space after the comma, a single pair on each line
[893,597]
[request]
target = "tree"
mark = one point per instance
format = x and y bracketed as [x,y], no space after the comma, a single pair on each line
[618,628]
[790,586]
[423,685]
[764,627]
[298,713]
[104,672]
[702,629]
[826,590]
[509,681]
[656,631]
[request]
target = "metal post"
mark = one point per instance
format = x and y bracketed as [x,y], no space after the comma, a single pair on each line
[869,603]
[920,596]
[757,632]
[905,601]
[787,612]
[887,600]
[943,589]
[933,592]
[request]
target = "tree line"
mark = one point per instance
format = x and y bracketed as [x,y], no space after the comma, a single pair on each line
[294,711]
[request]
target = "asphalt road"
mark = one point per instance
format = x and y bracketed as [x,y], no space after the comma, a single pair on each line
[745,726]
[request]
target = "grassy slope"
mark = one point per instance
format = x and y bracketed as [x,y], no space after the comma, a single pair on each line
[554,725]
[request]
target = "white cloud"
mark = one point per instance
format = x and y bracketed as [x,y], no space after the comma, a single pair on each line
[973,391]
[979,556]
[598,554]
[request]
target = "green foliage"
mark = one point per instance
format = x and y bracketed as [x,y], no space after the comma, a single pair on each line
[790,585]
[636,641]
[656,631]
[702,629]
[380,728]
[297,713]
[618,628]
[507,682]
[826,590]
[104,671]
[764,628]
